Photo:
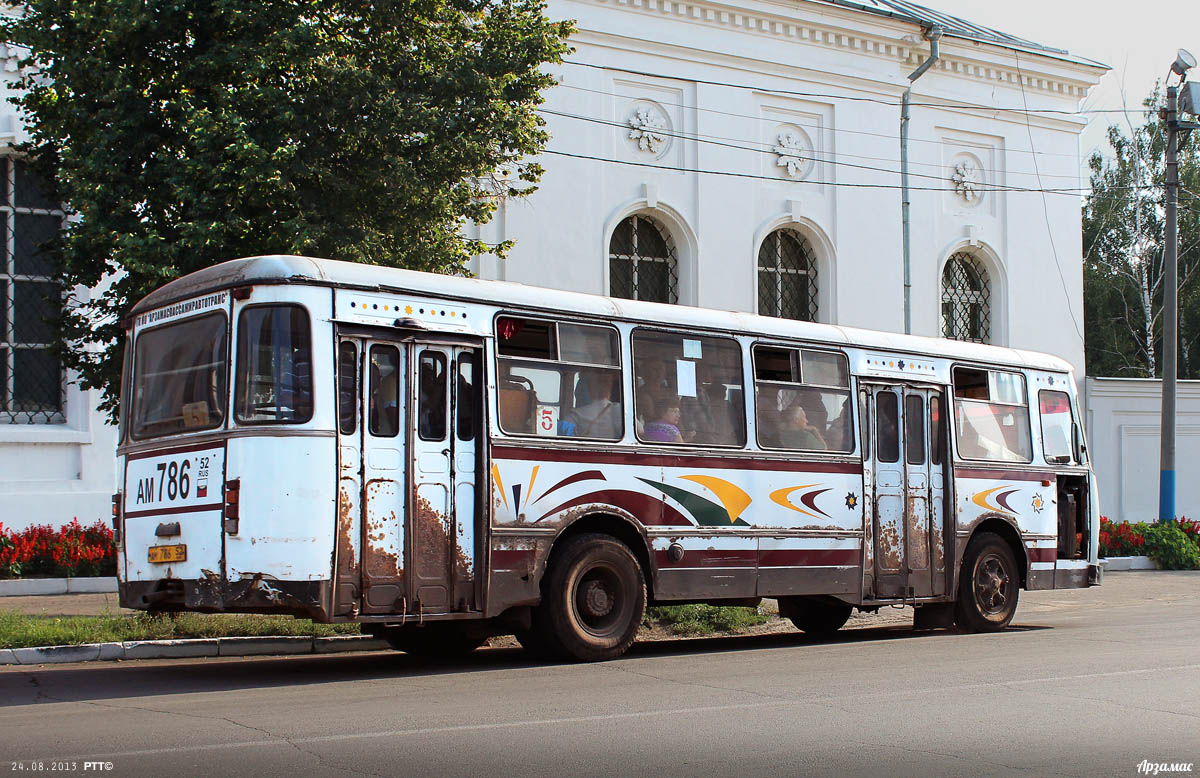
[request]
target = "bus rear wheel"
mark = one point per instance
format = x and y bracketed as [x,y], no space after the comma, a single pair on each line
[988,585]
[593,600]
[814,617]
[432,640]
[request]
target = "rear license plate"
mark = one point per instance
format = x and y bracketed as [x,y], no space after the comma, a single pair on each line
[169,553]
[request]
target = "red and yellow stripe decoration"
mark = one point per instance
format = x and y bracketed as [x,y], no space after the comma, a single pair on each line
[998,502]
[808,499]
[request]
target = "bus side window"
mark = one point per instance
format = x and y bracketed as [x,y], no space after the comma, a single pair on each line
[384,408]
[887,419]
[466,402]
[558,379]
[688,388]
[914,430]
[431,396]
[802,399]
[937,434]
[991,411]
[347,378]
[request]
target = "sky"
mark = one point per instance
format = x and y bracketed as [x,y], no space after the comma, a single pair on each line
[1138,40]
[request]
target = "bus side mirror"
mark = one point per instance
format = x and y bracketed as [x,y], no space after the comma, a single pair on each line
[1080,446]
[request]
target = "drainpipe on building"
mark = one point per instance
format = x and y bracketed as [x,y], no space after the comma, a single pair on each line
[933,35]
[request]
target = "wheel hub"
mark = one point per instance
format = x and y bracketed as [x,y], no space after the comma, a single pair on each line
[597,600]
[992,585]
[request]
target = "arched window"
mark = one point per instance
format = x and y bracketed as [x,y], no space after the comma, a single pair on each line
[787,276]
[966,299]
[642,263]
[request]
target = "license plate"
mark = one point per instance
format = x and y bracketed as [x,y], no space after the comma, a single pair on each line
[169,553]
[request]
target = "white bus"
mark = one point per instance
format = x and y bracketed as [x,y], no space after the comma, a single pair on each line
[442,459]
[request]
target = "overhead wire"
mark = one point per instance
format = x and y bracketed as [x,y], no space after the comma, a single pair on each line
[752,146]
[846,184]
[1046,210]
[821,128]
[854,98]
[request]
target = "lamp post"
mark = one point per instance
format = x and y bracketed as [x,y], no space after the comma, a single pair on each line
[1166,484]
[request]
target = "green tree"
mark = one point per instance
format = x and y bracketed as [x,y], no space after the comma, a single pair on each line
[182,133]
[1123,241]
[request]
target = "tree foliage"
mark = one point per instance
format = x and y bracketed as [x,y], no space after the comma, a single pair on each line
[182,133]
[1124,226]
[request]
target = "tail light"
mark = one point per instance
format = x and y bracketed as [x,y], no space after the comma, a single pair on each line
[116,516]
[233,491]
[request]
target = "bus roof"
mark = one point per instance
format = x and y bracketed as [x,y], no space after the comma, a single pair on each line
[283,269]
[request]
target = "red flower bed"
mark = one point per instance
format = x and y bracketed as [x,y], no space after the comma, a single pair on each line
[72,550]
[1122,539]
[1126,539]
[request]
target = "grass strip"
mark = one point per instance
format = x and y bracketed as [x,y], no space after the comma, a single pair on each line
[704,619]
[19,630]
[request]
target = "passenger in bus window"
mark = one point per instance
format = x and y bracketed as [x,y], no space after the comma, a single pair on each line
[517,400]
[798,432]
[601,417]
[650,385]
[665,427]
[838,435]
[708,412]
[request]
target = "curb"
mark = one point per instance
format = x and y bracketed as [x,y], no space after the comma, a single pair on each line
[1116,563]
[270,645]
[20,587]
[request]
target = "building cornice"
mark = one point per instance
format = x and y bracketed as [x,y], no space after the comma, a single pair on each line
[879,38]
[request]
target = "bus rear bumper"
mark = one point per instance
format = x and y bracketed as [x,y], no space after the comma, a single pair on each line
[307,599]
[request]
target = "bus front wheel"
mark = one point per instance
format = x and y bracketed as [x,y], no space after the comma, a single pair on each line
[988,585]
[594,599]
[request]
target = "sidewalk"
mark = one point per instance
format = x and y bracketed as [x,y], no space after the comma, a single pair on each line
[65,605]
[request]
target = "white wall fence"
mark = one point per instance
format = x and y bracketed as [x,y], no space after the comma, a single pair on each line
[1123,434]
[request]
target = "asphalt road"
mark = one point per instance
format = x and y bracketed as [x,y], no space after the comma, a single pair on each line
[1088,683]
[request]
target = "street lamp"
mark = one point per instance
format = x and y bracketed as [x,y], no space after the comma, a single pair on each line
[1184,62]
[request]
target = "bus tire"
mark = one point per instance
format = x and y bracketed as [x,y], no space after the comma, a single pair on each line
[813,617]
[594,600]
[432,641]
[988,585]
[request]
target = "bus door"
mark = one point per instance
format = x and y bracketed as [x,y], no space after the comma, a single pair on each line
[908,479]
[447,444]
[347,578]
[375,533]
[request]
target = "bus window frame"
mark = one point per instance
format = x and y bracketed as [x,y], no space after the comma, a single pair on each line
[223,423]
[798,349]
[952,414]
[235,366]
[535,362]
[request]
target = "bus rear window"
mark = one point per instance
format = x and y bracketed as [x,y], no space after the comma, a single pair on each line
[180,377]
[274,366]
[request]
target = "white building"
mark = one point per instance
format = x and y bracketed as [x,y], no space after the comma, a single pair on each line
[736,156]
[56,450]
[724,135]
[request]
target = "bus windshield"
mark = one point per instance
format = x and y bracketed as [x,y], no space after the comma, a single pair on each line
[180,377]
